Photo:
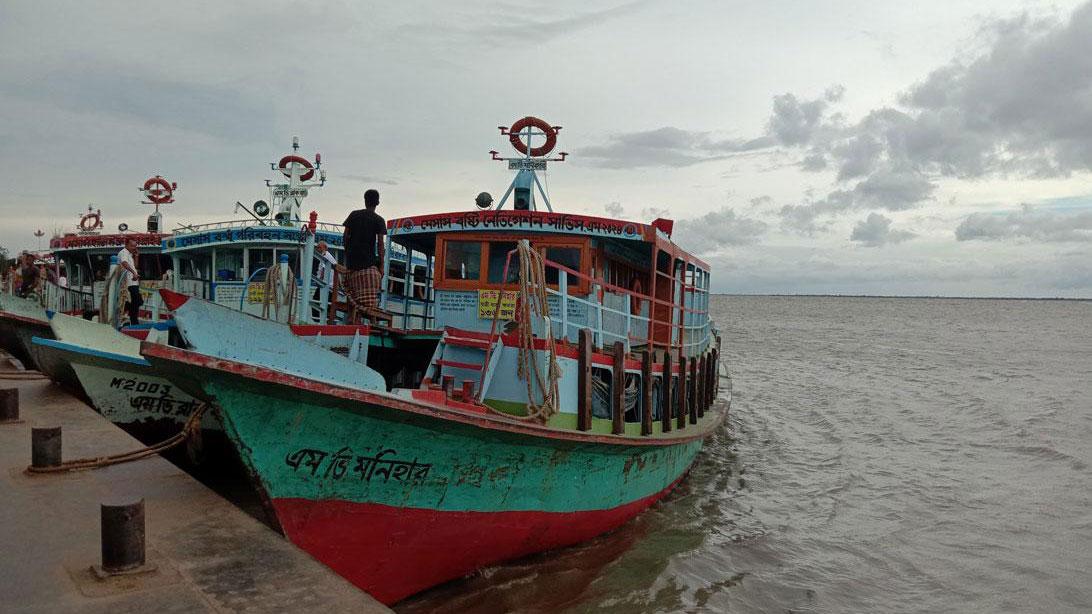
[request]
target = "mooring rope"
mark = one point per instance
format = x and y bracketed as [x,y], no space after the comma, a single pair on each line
[190,430]
[532,303]
[23,375]
[273,289]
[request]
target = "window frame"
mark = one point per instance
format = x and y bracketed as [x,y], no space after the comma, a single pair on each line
[577,286]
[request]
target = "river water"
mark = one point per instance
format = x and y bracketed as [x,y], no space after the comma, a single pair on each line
[882,455]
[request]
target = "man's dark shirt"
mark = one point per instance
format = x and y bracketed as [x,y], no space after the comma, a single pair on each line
[362,228]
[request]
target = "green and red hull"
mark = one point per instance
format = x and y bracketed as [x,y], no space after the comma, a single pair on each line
[397,494]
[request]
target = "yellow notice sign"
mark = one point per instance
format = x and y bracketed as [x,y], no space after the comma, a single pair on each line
[487,304]
[255,293]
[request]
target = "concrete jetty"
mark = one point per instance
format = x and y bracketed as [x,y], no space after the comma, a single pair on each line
[207,554]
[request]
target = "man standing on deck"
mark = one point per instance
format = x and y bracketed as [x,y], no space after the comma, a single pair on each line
[364,229]
[127,260]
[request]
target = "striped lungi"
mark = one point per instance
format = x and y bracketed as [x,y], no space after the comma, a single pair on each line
[364,286]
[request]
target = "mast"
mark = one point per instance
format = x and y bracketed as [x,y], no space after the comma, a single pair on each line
[532,160]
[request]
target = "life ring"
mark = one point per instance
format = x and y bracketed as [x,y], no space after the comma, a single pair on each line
[304,162]
[162,194]
[542,150]
[90,221]
[635,300]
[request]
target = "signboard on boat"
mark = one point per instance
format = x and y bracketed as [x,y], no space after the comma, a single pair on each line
[527,164]
[285,191]
[487,304]
[247,234]
[523,221]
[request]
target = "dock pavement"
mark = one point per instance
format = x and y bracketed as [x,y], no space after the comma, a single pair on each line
[207,555]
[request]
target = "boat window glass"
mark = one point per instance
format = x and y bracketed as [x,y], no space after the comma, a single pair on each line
[657,398]
[397,270]
[565,256]
[498,255]
[463,260]
[229,264]
[259,258]
[420,283]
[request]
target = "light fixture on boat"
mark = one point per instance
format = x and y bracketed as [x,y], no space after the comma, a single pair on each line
[484,200]
[261,208]
[122,227]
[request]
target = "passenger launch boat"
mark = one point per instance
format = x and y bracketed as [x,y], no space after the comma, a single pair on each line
[228,262]
[550,376]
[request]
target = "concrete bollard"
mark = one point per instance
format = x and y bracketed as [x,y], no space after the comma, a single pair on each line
[45,447]
[9,405]
[122,537]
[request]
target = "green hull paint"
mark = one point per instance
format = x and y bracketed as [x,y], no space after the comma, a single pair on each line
[438,464]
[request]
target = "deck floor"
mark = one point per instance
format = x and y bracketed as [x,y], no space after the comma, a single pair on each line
[209,555]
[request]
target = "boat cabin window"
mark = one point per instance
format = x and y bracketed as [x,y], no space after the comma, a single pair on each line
[229,264]
[462,260]
[259,258]
[498,256]
[152,266]
[396,281]
[566,257]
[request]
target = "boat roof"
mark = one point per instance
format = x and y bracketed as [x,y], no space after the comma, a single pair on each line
[101,242]
[247,232]
[419,231]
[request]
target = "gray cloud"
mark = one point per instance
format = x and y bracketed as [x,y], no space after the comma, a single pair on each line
[876,231]
[717,229]
[370,179]
[1021,106]
[1046,226]
[134,93]
[886,189]
[614,209]
[667,146]
[796,122]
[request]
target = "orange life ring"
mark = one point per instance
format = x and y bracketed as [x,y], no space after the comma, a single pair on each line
[542,150]
[157,196]
[634,299]
[90,221]
[304,162]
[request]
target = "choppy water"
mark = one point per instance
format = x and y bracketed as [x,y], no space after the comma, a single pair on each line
[883,455]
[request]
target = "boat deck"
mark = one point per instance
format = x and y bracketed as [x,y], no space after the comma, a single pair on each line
[208,554]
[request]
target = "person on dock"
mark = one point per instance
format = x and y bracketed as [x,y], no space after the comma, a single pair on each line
[128,258]
[364,229]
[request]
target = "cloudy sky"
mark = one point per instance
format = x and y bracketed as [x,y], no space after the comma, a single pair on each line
[925,148]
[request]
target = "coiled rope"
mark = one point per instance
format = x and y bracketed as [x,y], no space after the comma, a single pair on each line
[531,305]
[191,430]
[274,288]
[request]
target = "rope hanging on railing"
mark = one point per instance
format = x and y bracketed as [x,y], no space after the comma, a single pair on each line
[532,303]
[191,430]
[274,289]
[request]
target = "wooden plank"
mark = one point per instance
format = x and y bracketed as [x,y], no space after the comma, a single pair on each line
[693,404]
[584,383]
[714,372]
[665,395]
[618,404]
[646,390]
[699,389]
[680,404]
